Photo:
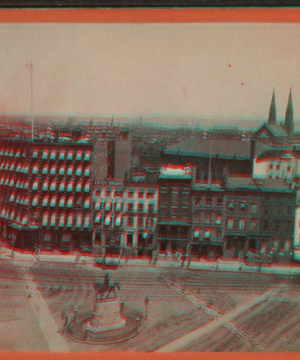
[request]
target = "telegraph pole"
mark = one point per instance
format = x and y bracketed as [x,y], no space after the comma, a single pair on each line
[29,65]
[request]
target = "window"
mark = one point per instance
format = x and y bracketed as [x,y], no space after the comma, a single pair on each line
[151,208]
[230,222]
[242,223]
[253,224]
[107,192]
[141,194]
[265,224]
[130,206]
[219,219]
[219,201]
[130,221]
[208,201]
[288,226]
[185,196]
[277,225]
[271,166]
[164,197]
[130,194]
[254,207]
[219,236]
[207,219]
[141,207]
[266,210]
[231,205]
[150,194]
[197,201]
[289,210]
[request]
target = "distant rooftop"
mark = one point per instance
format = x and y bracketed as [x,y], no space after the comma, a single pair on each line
[174,171]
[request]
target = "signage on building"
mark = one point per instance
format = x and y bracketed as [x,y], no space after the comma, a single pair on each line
[110,182]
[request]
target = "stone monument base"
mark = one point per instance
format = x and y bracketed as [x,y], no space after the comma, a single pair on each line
[107,316]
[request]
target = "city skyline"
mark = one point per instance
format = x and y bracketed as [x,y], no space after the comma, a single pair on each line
[162,69]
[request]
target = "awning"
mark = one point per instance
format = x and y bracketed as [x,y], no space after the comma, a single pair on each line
[12,196]
[3,213]
[45,169]
[2,180]
[2,165]
[87,171]
[26,200]
[53,185]
[62,155]
[35,200]
[35,168]
[53,219]
[70,202]
[45,200]
[45,154]
[98,204]
[243,206]
[62,170]
[70,186]
[18,153]
[45,219]
[6,152]
[87,203]
[145,234]
[70,170]
[79,155]
[62,201]
[18,184]
[62,220]
[87,187]
[207,234]
[12,181]
[87,155]
[11,152]
[12,214]
[119,220]
[197,233]
[18,219]
[70,155]
[79,170]
[53,201]
[22,198]
[70,220]
[19,167]
[6,165]
[35,154]
[87,221]
[78,220]
[6,180]
[26,185]
[45,185]
[53,169]
[107,205]
[26,169]
[35,185]
[12,166]
[119,205]
[79,186]
[107,219]
[53,154]
[62,186]
[98,218]
[18,199]
[231,205]
[25,219]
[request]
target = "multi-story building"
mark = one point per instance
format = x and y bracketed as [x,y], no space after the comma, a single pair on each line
[125,216]
[46,192]
[175,210]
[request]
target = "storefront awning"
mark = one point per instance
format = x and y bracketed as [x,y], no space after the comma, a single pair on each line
[87,203]
[45,154]
[70,155]
[53,185]
[53,169]
[98,204]
[62,201]
[107,219]
[70,220]
[62,186]
[53,201]
[79,155]
[98,218]
[62,170]
[107,205]
[119,205]
[87,171]
[53,154]
[70,186]
[79,170]
[87,156]
[119,220]
[70,170]
[70,202]
[35,185]
[62,155]
[79,186]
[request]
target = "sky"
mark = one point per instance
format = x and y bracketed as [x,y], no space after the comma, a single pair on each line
[226,70]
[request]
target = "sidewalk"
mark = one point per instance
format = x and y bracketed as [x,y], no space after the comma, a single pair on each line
[163,261]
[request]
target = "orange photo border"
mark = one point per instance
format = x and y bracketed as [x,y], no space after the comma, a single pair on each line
[132,15]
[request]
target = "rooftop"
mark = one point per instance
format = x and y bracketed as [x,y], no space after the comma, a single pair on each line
[176,171]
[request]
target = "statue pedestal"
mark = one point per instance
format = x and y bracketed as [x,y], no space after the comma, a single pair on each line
[107,315]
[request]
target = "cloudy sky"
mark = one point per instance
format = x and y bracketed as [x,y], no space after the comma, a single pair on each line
[200,69]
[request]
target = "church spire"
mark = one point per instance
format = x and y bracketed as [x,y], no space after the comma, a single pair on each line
[289,115]
[272,112]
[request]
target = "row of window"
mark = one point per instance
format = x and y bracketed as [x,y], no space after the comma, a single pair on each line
[117,220]
[254,224]
[46,169]
[120,193]
[47,154]
[208,201]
